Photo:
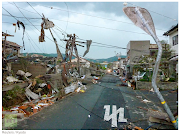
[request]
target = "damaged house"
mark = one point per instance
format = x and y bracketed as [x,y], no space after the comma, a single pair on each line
[9,48]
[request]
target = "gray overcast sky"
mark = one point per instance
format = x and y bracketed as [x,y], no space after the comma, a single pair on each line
[88,20]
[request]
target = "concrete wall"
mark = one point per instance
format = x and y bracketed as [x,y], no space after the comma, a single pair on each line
[161,85]
[34,69]
[55,79]
[133,46]
[85,71]
[143,46]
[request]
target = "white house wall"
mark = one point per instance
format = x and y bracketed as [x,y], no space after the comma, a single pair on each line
[175,47]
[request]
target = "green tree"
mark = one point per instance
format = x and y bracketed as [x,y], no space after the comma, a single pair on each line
[99,66]
[110,65]
[150,59]
[24,63]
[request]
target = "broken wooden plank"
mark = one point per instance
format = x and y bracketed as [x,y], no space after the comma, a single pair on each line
[156,120]
[138,128]
[158,115]
[10,87]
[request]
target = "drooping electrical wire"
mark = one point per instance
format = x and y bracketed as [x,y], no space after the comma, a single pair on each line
[10,14]
[31,42]
[104,45]
[68,16]
[35,10]
[23,8]
[96,16]
[34,42]
[104,28]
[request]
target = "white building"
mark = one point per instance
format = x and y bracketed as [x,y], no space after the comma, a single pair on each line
[104,64]
[83,62]
[119,64]
[173,42]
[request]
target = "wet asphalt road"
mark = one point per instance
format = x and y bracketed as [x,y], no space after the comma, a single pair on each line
[85,111]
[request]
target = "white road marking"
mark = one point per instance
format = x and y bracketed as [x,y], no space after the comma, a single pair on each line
[121,115]
[113,116]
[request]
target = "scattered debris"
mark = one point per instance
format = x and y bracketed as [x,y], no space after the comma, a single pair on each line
[96,78]
[132,126]
[156,120]
[11,79]
[82,91]
[94,81]
[145,101]
[143,108]
[138,128]
[18,24]
[129,84]
[83,77]
[70,88]
[173,91]
[27,74]
[158,115]
[152,90]
[42,85]
[31,94]
[78,89]
[167,79]
[139,97]
[88,43]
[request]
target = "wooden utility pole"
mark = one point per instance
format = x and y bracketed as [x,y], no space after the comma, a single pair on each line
[71,44]
[4,44]
[76,52]
[59,55]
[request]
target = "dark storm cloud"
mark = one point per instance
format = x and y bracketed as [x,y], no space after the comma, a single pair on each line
[169,9]
[110,10]
[166,9]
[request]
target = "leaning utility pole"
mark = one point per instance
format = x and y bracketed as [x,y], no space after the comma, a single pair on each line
[76,52]
[142,18]
[71,44]
[59,55]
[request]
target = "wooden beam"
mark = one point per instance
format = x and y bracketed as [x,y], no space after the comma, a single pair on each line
[10,87]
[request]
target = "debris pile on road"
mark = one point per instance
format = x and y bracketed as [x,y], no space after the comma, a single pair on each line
[80,87]
[39,91]
[158,117]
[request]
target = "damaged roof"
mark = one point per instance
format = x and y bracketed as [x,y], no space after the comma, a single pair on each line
[173,29]
[12,44]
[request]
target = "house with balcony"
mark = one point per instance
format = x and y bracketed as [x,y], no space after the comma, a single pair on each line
[173,42]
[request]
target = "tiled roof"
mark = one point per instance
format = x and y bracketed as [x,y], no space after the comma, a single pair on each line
[172,28]
[12,44]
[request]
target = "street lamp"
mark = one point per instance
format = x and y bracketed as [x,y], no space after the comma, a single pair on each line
[142,18]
